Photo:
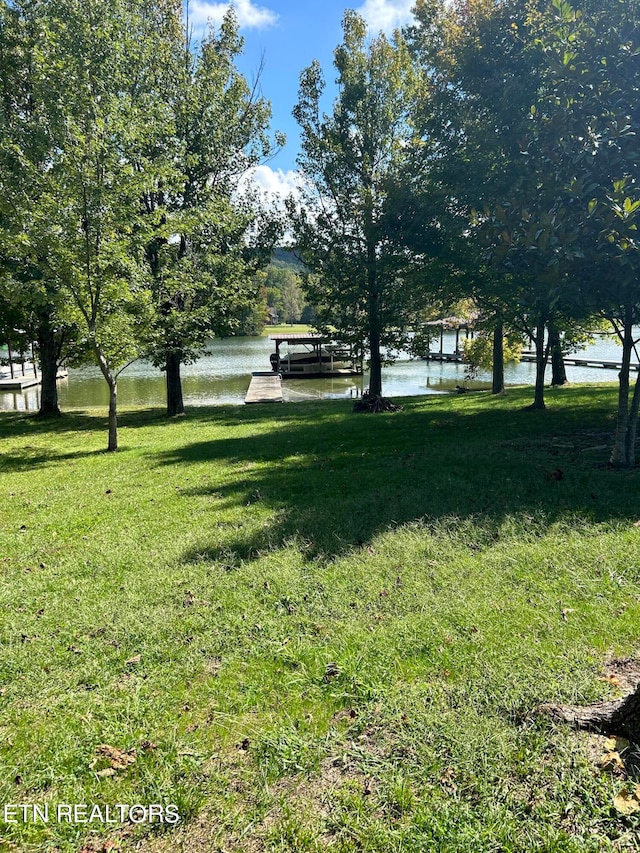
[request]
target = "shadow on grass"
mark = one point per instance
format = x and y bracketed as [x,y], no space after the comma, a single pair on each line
[27,459]
[29,426]
[14,424]
[333,483]
[32,426]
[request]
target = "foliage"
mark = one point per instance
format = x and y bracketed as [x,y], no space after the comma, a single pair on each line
[346,225]
[478,351]
[535,126]
[213,234]
[32,305]
[284,291]
[589,122]
[123,154]
[93,92]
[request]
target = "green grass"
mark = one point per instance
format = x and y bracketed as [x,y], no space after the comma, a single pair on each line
[315,630]
[288,329]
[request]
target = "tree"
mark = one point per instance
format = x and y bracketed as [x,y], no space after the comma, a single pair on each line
[212,236]
[31,298]
[591,120]
[346,226]
[487,70]
[485,76]
[97,70]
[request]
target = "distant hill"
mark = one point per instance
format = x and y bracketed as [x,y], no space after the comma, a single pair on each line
[287,258]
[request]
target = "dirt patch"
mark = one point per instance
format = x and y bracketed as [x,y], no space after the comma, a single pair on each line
[311,795]
[623,673]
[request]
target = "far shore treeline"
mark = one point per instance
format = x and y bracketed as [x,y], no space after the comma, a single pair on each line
[482,163]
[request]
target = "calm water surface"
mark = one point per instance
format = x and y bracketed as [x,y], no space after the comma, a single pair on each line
[223,375]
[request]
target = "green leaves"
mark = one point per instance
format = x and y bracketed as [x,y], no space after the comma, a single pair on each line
[349,225]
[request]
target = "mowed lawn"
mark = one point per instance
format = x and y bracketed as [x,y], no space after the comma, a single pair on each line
[312,630]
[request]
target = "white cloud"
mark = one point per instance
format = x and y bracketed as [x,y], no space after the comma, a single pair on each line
[386,15]
[248,15]
[273,187]
[275,183]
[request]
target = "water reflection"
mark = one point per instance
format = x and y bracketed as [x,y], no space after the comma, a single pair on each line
[222,376]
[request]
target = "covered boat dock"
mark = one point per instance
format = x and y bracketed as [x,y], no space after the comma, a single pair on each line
[312,356]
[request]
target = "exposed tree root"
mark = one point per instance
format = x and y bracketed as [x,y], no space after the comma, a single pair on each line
[375,403]
[620,716]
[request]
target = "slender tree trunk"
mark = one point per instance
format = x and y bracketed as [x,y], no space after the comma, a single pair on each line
[48,352]
[112,382]
[632,429]
[373,308]
[175,404]
[113,415]
[373,296]
[497,385]
[541,366]
[558,371]
[375,369]
[619,457]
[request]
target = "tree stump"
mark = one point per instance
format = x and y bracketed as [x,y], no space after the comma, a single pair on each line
[375,403]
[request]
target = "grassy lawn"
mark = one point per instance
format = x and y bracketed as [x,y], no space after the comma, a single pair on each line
[288,329]
[311,630]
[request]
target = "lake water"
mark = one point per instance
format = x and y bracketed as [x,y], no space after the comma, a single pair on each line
[223,376]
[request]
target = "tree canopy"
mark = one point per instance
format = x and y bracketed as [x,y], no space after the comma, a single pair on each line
[351,163]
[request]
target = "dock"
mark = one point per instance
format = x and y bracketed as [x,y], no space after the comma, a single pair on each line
[571,361]
[529,357]
[25,377]
[265,388]
[443,356]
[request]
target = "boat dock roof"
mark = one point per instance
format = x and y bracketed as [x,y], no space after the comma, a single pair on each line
[298,338]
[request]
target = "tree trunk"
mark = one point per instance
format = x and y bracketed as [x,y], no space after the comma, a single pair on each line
[497,384]
[48,353]
[175,404]
[619,454]
[558,371]
[113,415]
[632,428]
[373,295]
[541,366]
[375,369]
[112,381]
[620,717]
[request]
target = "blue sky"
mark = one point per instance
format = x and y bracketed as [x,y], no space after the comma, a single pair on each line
[290,34]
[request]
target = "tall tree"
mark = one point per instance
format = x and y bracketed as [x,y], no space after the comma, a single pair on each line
[484,77]
[101,66]
[213,234]
[31,296]
[590,121]
[347,224]
[487,69]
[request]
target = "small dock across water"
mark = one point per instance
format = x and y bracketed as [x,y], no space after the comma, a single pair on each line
[528,356]
[265,388]
[570,360]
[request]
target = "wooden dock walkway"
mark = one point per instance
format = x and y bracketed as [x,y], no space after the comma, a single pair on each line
[265,388]
[528,357]
[23,377]
[572,361]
